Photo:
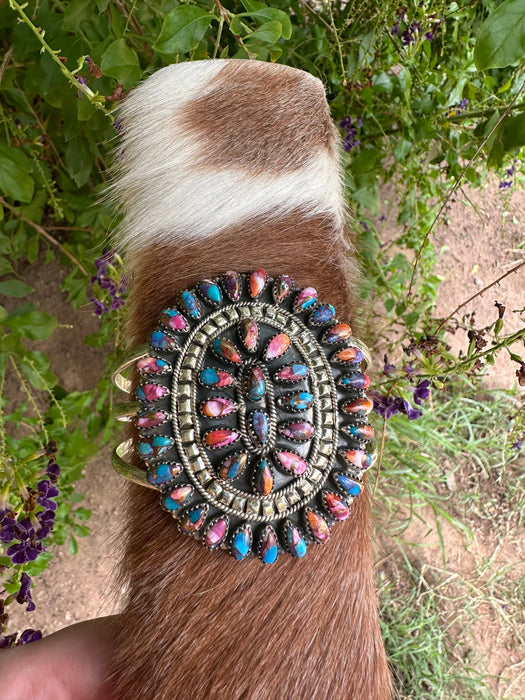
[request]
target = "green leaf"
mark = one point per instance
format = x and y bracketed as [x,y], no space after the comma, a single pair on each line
[77,12]
[267,14]
[35,325]
[501,41]
[35,365]
[15,288]
[36,567]
[78,160]
[121,62]
[15,180]
[267,33]
[5,266]
[183,29]
[72,545]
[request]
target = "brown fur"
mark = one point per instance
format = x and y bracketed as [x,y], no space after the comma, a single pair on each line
[198,624]
[273,120]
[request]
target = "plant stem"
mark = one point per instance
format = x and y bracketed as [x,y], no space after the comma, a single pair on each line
[42,231]
[95,99]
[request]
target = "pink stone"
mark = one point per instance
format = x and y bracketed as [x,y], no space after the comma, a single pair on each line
[301,431]
[336,505]
[289,374]
[221,437]
[217,406]
[152,365]
[152,392]
[338,333]
[249,334]
[216,533]
[277,346]
[151,419]
[317,526]
[257,282]
[292,462]
[232,283]
[305,299]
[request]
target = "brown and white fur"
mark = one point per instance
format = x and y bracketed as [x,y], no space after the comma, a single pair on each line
[234,165]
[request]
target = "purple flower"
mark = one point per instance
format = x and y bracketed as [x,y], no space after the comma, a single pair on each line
[409,370]
[24,594]
[505,184]
[46,518]
[53,471]
[385,406]
[421,391]
[107,258]
[429,36]
[81,81]
[388,369]
[100,308]
[46,492]
[350,141]
[405,407]
[29,636]
[9,530]
[24,551]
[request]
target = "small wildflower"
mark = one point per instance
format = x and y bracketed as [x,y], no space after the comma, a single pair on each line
[518,445]
[81,81]
[24,594]
[501,309]
[29,636]
[113,289]
[388,368]
[421,391]
[52,471]
[350,141]
[505,184]
[429,36]
[47,491]
[385,406]
[25,551]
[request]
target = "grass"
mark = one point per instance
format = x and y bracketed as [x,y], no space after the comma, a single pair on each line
[451,500]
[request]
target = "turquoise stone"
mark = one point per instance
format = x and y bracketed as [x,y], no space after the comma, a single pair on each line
[226,350]
[350,486]
[260,426]
[152,365]
[190,304]
[163,341]
[255,384]
[193,519]
[174,319]
[359,432]
[292,373]
[306,298]
[215,378]
[210,292]
[178,497]
[154,446]
[231,467]
[296,401]
[368,460]
[263,478]
[355,380]
[232,284]
[241,542]
[282,287]
[322,315]
[268,547]
[295,543]
[162,473]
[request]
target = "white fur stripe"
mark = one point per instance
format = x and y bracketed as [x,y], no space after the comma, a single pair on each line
[169,196]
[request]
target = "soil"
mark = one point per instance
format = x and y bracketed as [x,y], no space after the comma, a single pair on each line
[480,239]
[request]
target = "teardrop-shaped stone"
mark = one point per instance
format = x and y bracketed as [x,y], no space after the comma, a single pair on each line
[354,458]
[249,334]
[151,392]
[154,446]
[217,406]
[268,549]
[215,378]
[295,543]
[220,437]
[350,486]
[348,356]
[368,460]
[210,291]
[355,380]
[216,532]
[359,432]
[190,304]
[257,282]
[358,407]
[162,473]
[282,287]
[150,419]
[260,426]
[305,299]
[178,497]
[336,505]
[255,384]
[152,365]
[296,401]
[241,542]
[226,350]
[171,318]
[292,373]
[299,431]
[322,315]
[163,341]
[193,519]
[291,462]
[231,467]
[277,346]
[317,526]
[232,284]
[263,478]
[337,333]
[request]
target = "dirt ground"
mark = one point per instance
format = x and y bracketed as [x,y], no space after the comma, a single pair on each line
[481,238]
